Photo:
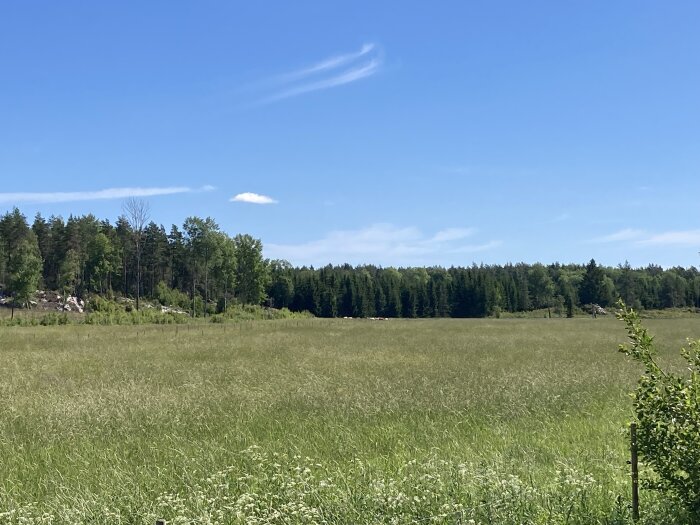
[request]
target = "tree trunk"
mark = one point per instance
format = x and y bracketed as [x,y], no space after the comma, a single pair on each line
[138,276]
[225,295]
[124,277]
[206,288]
[193,303]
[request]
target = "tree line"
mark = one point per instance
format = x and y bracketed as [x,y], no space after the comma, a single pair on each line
[196,267]
[201,269]
[478,291]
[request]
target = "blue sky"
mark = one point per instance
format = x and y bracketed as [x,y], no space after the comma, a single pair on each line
[396,134]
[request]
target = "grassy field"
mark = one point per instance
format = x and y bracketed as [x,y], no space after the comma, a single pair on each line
[322,421]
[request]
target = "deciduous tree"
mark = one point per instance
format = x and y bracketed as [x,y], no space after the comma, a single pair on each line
[251,270]
[137,213]
[24,271]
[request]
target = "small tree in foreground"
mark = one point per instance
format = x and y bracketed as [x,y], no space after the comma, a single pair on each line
[668,413]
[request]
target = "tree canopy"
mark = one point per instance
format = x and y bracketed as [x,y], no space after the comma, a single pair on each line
[198,264]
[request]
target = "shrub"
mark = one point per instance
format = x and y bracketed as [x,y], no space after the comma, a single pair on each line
[52,319]
[145,316]
[99,304]
[667,407]
[253,312]
[172,297]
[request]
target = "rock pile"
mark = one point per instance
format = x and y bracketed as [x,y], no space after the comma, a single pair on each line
[47,300]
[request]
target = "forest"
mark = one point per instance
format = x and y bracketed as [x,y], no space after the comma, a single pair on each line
[202,270]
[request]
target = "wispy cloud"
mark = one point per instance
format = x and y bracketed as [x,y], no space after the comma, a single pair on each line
[475,248]
[109,193]
[646,238]
[453,234]
[325,65]
[329,73]
[252,198]
[384,244]
[351,75]
[628,234]
[678,238]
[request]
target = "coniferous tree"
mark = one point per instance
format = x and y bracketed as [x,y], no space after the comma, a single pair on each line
[124,236]
[13,229]
[89,255]
[42,231]
[593,289]
[3,263]
[56,251]
[391,284]
[524,298]
[177,258]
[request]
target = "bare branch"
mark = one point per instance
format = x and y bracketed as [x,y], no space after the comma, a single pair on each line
[137,212]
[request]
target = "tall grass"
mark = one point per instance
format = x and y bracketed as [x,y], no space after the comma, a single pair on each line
[115,314]
[320,421]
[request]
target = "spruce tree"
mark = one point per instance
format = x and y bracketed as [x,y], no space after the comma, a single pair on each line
[593,287]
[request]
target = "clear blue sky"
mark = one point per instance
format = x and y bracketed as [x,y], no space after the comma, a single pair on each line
[395,134]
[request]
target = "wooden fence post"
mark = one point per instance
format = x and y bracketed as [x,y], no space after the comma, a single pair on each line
[635,471]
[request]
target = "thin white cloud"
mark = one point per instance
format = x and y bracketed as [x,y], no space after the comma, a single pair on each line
[72,196]
[678,238]
[475,248]
[453,234]
[325,65]
[645,238]
[329,73]
[383,244]
[252,198]
[628,234]
[347,77]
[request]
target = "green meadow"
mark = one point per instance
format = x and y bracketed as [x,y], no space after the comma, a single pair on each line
[323,421]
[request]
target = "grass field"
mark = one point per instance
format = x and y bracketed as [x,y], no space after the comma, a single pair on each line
[322,421]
